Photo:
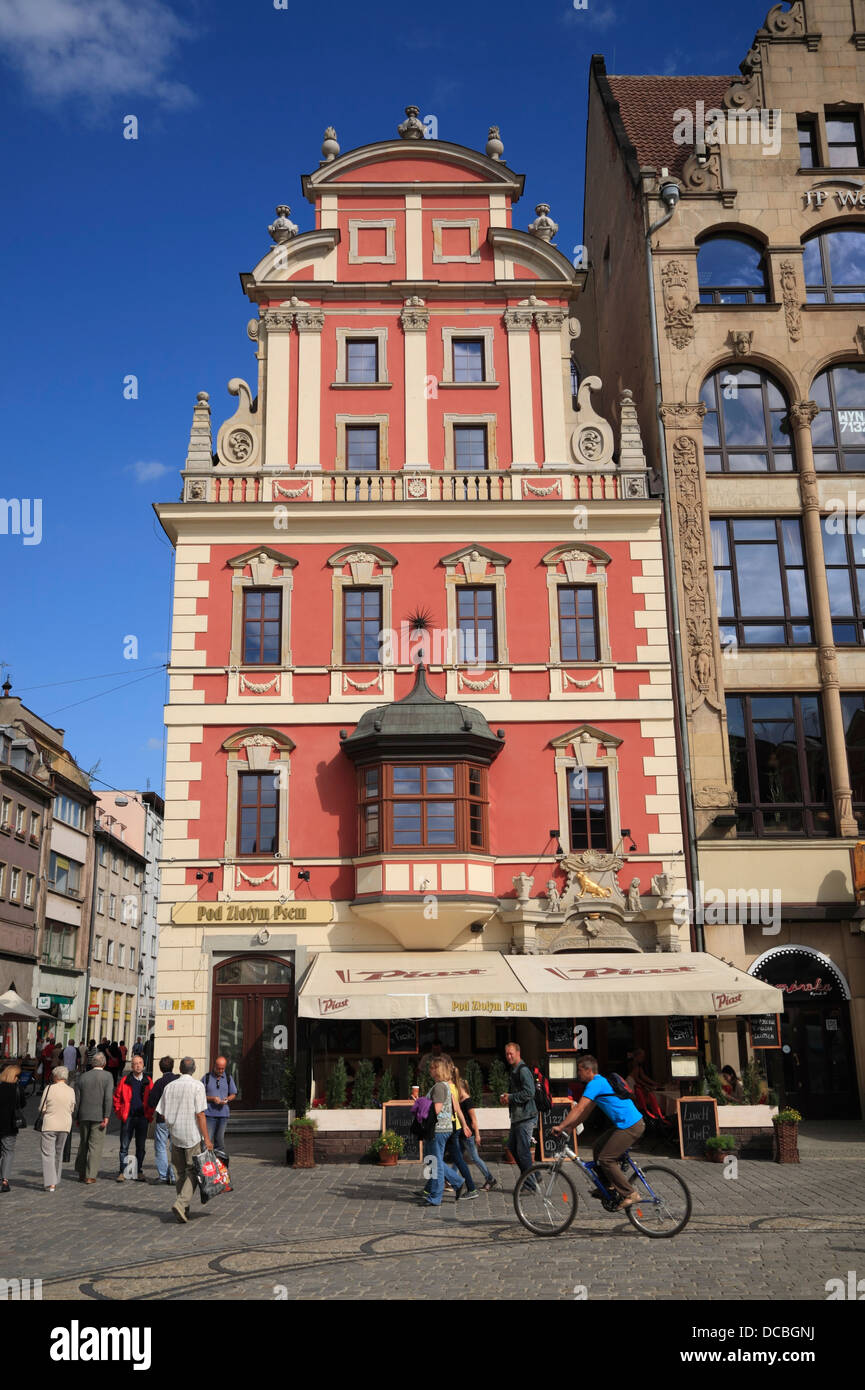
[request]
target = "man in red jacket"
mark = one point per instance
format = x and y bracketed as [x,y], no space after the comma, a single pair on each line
[131,1102]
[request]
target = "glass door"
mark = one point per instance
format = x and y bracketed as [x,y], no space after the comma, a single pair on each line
[253,1026]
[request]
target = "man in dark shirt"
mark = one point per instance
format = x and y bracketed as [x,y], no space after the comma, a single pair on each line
[161,1136]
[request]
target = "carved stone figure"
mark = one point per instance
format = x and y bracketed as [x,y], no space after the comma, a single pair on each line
[740,341]
[702,670]
[554,897]
[587,886]
[802,413]
[282,230]
[523,884]
[790,296]
[635,902]
[411,129]
[543,225]
[678,308]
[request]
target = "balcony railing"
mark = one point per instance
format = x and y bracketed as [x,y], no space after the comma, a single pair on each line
[407,487]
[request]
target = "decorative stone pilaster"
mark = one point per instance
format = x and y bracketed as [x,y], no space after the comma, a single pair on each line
[415,323]
[678,303]
[802,413]
[518,324]
[791,297]
[310,323]
[518,320]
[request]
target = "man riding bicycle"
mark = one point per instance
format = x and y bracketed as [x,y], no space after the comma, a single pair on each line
[627,1126]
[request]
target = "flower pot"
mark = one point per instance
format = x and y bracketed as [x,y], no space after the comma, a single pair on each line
[304,1140]
[717,1155]
[387,1159]
[787,1142]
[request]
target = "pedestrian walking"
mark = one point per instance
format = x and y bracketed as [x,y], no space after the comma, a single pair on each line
[219,1088]
[84,1049]
[70,1057]
[471,1137]
[132,1104]
[434,1149]
[520,1100]
[453,1148]
[56,1108]
[183,1105]
[11,1104]
[123,1051]
[114,1063]
[138,1048]
[161,1136]
[46,1058]
[94,1093]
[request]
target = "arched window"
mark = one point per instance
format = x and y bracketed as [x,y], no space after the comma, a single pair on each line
[838,432]
[745,428]
[834,266]
[731,270]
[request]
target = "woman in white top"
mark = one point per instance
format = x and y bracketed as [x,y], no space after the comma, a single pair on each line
[56,1109]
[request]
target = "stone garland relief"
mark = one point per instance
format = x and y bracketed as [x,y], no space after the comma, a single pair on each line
[678,306]
[695,579]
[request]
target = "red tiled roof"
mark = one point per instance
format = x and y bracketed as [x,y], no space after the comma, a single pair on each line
[647,105]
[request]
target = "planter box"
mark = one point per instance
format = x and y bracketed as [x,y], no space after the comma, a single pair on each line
[746,1117]
[347,1121]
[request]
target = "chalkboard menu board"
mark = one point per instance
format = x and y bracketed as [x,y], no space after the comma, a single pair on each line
[549,1144]
[698,1121]
[560,1035]
[396,1115]
[765,1030]
[681,1034]
[402,1036]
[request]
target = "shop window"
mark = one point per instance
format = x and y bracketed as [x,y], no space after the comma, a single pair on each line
[760,584]
[731,270]
[422,805]
[845,576]
[780,766]
[853,710]
[838,432]
[834,267]
[746,427]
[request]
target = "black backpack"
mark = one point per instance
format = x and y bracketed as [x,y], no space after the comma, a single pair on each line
[618,1087]
[542,1092]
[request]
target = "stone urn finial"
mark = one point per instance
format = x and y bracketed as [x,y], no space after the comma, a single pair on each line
[411,129]
[282,230]
[543,225]
[330,146]
[495,148]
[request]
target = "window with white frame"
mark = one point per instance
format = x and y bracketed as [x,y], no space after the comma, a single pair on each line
[112,906]
[35,826]
[131,957]
[587,764]
[475,590]
[20,812]
[64,875]
[15,884]
[29,887]
[5,813]
[361,357]
[100,900]
[121,954]
[97,948]
[2,879]
[69,811]
[109,958]
[362,602]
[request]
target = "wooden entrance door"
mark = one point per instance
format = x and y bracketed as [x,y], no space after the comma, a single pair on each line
[253,1025]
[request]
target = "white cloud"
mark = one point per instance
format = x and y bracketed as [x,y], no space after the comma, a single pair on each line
[95,48]
[147,472]
[154,743]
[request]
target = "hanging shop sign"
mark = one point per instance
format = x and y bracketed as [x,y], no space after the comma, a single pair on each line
[265,914]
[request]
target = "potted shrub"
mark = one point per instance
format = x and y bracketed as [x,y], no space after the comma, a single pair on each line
[386,1087]
[717,1145]
[389,1147]
[786,1124]
[301,1134]
[498,1079]
[335,1087]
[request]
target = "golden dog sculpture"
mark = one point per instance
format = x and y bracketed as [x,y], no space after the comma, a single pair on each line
[588,885]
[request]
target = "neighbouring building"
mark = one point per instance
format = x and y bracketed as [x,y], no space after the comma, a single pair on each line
[63,837]
[138,818]
[115,950]
[758,284]
[422,755]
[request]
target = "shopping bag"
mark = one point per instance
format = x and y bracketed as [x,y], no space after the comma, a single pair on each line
[211,1174]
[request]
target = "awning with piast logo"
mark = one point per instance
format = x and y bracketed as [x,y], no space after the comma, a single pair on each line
[451,984]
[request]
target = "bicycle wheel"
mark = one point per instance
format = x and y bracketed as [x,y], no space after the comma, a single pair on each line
[665,1209]
[545,1200]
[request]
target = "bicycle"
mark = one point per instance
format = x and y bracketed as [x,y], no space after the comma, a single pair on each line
[545,1198]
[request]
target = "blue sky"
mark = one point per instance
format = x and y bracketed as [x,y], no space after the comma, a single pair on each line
[121,259]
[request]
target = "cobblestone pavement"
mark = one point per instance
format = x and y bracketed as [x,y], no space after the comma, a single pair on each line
[357,1232]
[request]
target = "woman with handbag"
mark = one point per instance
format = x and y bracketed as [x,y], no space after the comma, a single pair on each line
[54,1122]
[11,1119]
